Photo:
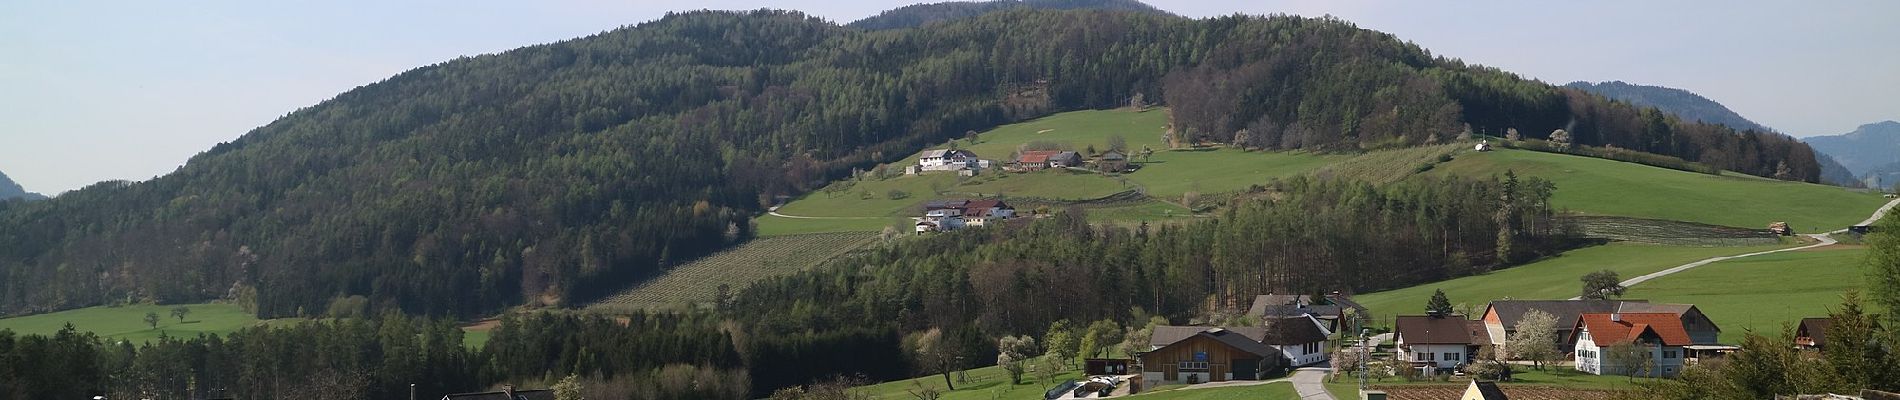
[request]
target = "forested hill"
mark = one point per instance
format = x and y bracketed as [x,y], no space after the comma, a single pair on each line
[551,173]
[1691,106]
[917,15]
[10,190]
[1683,103]
[1866,149]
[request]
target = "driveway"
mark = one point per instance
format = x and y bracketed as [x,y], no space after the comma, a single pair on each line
[1310,382]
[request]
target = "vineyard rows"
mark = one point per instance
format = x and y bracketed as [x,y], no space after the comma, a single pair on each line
[1670,232]
[697,282]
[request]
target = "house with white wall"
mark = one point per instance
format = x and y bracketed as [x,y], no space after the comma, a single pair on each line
[1437,342]
[946,160]
[1302,339]
[1659,337]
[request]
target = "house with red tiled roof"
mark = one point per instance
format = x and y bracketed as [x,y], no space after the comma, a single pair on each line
[1660,336]
[1036,159]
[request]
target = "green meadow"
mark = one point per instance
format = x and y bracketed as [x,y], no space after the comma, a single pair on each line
[128,322]
[1548,279]
[1607,187]
[1763,292]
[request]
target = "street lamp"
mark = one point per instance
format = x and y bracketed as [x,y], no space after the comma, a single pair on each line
[1365,356]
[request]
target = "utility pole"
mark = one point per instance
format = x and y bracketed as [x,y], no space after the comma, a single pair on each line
[1365,356]
[412,391]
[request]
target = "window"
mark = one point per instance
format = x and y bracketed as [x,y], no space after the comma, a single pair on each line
[1451,356]
[1427,356]
[1193,365]
[1669,354]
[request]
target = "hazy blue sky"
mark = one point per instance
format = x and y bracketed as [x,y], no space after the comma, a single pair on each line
[93,90]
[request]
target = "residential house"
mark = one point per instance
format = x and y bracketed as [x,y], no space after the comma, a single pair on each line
[1437,342]
[1501,318]
[1196,354]
[1660,337]
[1483,390]
[1812,333]
[506,393]
[1331,316]
[949,215]
[946,160]
[1034,159]
[1112,161]
[1302,339]
[1065,159]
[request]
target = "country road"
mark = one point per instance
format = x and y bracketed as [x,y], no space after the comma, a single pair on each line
[774,212]
[1822,239]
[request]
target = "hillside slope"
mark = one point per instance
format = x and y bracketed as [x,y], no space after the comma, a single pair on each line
[558,173]
[917,15]
[10,190]
[1863,151]
[1606,187]
[1682,103]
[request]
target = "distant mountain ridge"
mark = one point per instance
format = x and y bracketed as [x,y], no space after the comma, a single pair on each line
[1870,151]
[916,15]
[1685,104]
[10,190]
[1691,106]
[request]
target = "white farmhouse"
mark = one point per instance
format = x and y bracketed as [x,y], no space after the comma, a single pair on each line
[946,160]
[1437,342]
[1658,336]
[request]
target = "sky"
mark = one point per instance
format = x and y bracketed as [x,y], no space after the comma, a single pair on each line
[94,90]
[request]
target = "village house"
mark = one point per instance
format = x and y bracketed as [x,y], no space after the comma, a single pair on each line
[1483,390]
[1811,334]
[1331,316]
[1065,159]
[1501,318]
[1199,354]
[950,215]
[1302,339]
[1112,161]
[1437,342]
[946,160]
[1659,336]
[1034,159]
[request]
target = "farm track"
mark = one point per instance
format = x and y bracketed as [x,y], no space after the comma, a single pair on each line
[1822,239]
[698,281]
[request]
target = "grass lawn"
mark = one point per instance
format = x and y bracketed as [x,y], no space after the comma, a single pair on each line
[982,383]
[128,322]
[1557,376]
[772,225]
[1607,187]
[1076,129]
[1271,391]
[1763,292]
[1552,278]
[1172,173]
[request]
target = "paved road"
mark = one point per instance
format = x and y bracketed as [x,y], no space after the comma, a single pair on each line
[1821,240]
[774,212]
[1310,382]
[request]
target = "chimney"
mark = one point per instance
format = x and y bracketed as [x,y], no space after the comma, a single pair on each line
[1616,317]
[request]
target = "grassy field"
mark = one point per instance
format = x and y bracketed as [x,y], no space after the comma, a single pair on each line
[1763,292]
[1552,278]
[1606,187]
[1347,387]
[128,322]
[1270,391]
[982,383]
[1172,173]
[698,281]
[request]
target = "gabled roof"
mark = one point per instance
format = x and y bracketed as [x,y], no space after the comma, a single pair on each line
[1068,155]
[1294,330]
[1165,336]
[1485,390]
[1037,156]
[1815,329]
[935,153]
[1479,334]
[1609,329]
[1566,311]
[1425,329]
[984,204]
[1680,310]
